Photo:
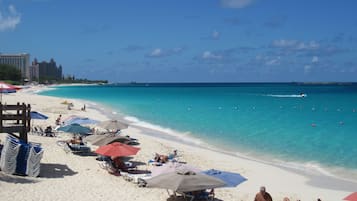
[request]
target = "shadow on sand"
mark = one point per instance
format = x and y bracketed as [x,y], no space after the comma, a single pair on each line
[16,179]
[85,154]
[53,170]
[138,163]
[181,198]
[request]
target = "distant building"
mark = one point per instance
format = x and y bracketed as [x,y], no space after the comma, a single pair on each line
[34,70]
[48,71]
[20,61]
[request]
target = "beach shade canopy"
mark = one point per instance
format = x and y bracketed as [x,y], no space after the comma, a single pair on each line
[6,88]
[113,125]
[117,149]
[37,115]
[184,181]
[76,129]
[81,120]
[69,119]
[100,140]
[351,197]
[172,167]
[230,178]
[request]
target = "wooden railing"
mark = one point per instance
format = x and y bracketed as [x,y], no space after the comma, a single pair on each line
[15,119]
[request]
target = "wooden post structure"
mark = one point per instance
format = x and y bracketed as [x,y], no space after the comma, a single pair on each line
[21,116]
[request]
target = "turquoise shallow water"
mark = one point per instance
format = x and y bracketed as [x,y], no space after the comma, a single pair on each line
[266,119]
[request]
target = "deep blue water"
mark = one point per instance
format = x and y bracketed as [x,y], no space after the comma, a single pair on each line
[266,119]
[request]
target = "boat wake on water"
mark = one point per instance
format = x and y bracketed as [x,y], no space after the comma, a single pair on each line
[287,96]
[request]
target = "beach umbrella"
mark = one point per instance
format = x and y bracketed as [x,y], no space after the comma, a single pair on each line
[6,88]
[37,115]
[75,128]
[172,167]
[111,139]
[230,178]
[184,181]
[117,149]
[66,120]
[351,197]
[113,125]
[100,140]
[81,120]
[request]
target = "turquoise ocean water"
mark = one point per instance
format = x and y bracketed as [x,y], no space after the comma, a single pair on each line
[270,121]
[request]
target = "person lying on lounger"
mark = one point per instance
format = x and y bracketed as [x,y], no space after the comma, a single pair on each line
[119,164]
[75,140]
[161,158]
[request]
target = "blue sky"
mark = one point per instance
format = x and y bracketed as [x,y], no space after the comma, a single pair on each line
[187,40]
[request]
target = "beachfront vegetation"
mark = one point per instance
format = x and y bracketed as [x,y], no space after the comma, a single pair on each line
[10,74]
[69,79]
[72,79]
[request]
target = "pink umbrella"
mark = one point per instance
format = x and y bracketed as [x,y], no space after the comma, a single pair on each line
[351,197]
[172,167]
[117,149]
[6,88]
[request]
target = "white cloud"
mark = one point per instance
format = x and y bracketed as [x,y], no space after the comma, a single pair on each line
[295,45]
[284,43]
[177,49]
[10,19]
[236,3]
[156,53]
[307,68]
[215,35]
[315,59]
[209,55]
[271,62]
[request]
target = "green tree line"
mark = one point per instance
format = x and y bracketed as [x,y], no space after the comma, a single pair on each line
[10,73]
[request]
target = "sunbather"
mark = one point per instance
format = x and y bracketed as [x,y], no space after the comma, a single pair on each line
[165,158]
[75,140]
[119,164]
[122,166]
[161,158]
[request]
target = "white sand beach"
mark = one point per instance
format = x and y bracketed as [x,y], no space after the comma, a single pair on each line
[65,176]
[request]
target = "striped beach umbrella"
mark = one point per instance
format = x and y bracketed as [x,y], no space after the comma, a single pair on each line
[6,88]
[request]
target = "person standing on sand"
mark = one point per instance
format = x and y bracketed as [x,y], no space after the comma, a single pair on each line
[263,195]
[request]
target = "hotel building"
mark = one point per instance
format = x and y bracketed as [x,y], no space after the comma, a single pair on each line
[21,61]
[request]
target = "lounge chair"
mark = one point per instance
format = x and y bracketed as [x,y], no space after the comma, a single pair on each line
[198,195]
[76,148]
[41,131]
[136,178]
[108,164]
[36,130]
[154,163]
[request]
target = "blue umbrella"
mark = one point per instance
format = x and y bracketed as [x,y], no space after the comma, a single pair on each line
[76,129]
[81,120]
[230,178]
[37,115]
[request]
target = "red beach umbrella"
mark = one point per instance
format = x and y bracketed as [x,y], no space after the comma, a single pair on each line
[117,149]
[351,197]
[6,88]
